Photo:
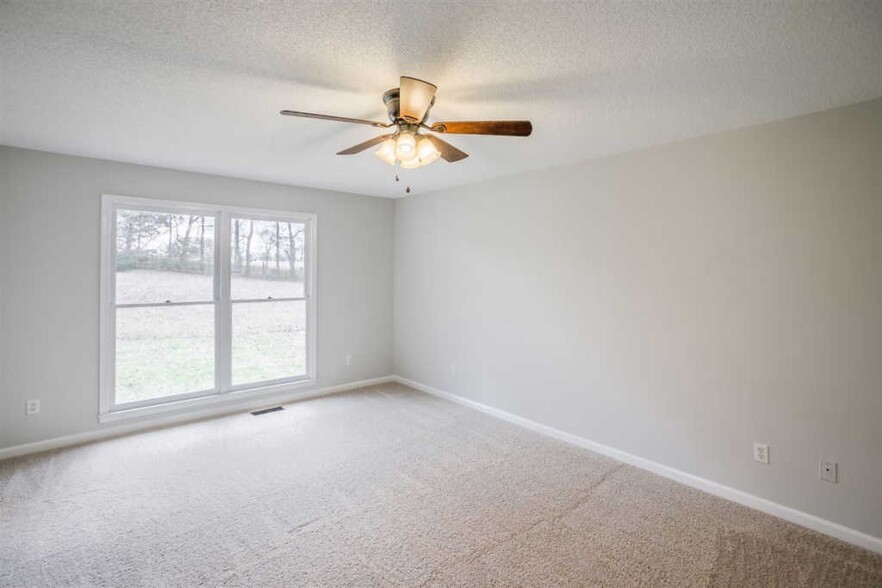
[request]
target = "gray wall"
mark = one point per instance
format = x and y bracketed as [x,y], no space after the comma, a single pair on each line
[677,303]
[49,276]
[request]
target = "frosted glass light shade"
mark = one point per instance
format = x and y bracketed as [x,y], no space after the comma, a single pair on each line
[409,150]
[426,151]
[405,147]
[386,152]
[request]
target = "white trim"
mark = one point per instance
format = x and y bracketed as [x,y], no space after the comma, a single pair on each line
[195,400]
[787,513]
[127,409]
[276,384]
[250,300]
[176,206]
[107,328]
[223,315]
[310,288]
[229,406]
[108,409]
[167,303]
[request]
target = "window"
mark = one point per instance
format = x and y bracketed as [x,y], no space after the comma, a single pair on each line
[201,301]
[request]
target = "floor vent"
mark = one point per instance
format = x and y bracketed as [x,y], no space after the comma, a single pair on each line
[267,410]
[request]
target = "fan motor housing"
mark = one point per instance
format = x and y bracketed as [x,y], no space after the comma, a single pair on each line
[392,100]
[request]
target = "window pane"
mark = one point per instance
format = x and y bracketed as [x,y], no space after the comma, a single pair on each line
[266,259]
[163,256]
[163,351]
[269,341]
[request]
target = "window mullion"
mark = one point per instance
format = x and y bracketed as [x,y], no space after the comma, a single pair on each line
[269,299]
[167,303]
[224,312]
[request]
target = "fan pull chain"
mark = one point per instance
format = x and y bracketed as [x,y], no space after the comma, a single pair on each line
[397,178]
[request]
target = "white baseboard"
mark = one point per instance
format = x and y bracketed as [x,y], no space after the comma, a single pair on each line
[234,406]
[787,513]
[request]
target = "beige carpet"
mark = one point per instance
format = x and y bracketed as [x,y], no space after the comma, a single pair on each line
[388,487]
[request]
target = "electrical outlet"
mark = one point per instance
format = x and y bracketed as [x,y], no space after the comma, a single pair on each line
[452,369]
[829,471]
[761,453]
[32,407]
[348,360]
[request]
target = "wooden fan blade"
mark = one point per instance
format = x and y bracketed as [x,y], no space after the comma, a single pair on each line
[448,152]
[415,98]
[358,121]
[362,146]
[512,128]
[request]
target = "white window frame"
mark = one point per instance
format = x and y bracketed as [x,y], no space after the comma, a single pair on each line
[109,410]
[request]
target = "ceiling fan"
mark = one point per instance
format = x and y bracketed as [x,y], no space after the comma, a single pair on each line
[408,107]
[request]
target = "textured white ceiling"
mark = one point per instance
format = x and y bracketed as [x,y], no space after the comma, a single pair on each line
[198,85]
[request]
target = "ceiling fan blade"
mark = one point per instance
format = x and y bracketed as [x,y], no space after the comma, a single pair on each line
[512,128]
[448,152]
[359,121]
[362,146]
[416,98]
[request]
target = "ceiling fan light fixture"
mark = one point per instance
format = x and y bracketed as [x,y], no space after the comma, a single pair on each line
[409,150]
[408,108]
[426,151]
[405,147]
[410,163]
[386,152]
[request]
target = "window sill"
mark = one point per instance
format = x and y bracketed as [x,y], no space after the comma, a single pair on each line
[185,406]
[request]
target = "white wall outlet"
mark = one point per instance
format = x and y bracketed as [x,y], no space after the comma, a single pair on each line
[452,369]
[761,453]
[348,360]
[829,471]
[32,407]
